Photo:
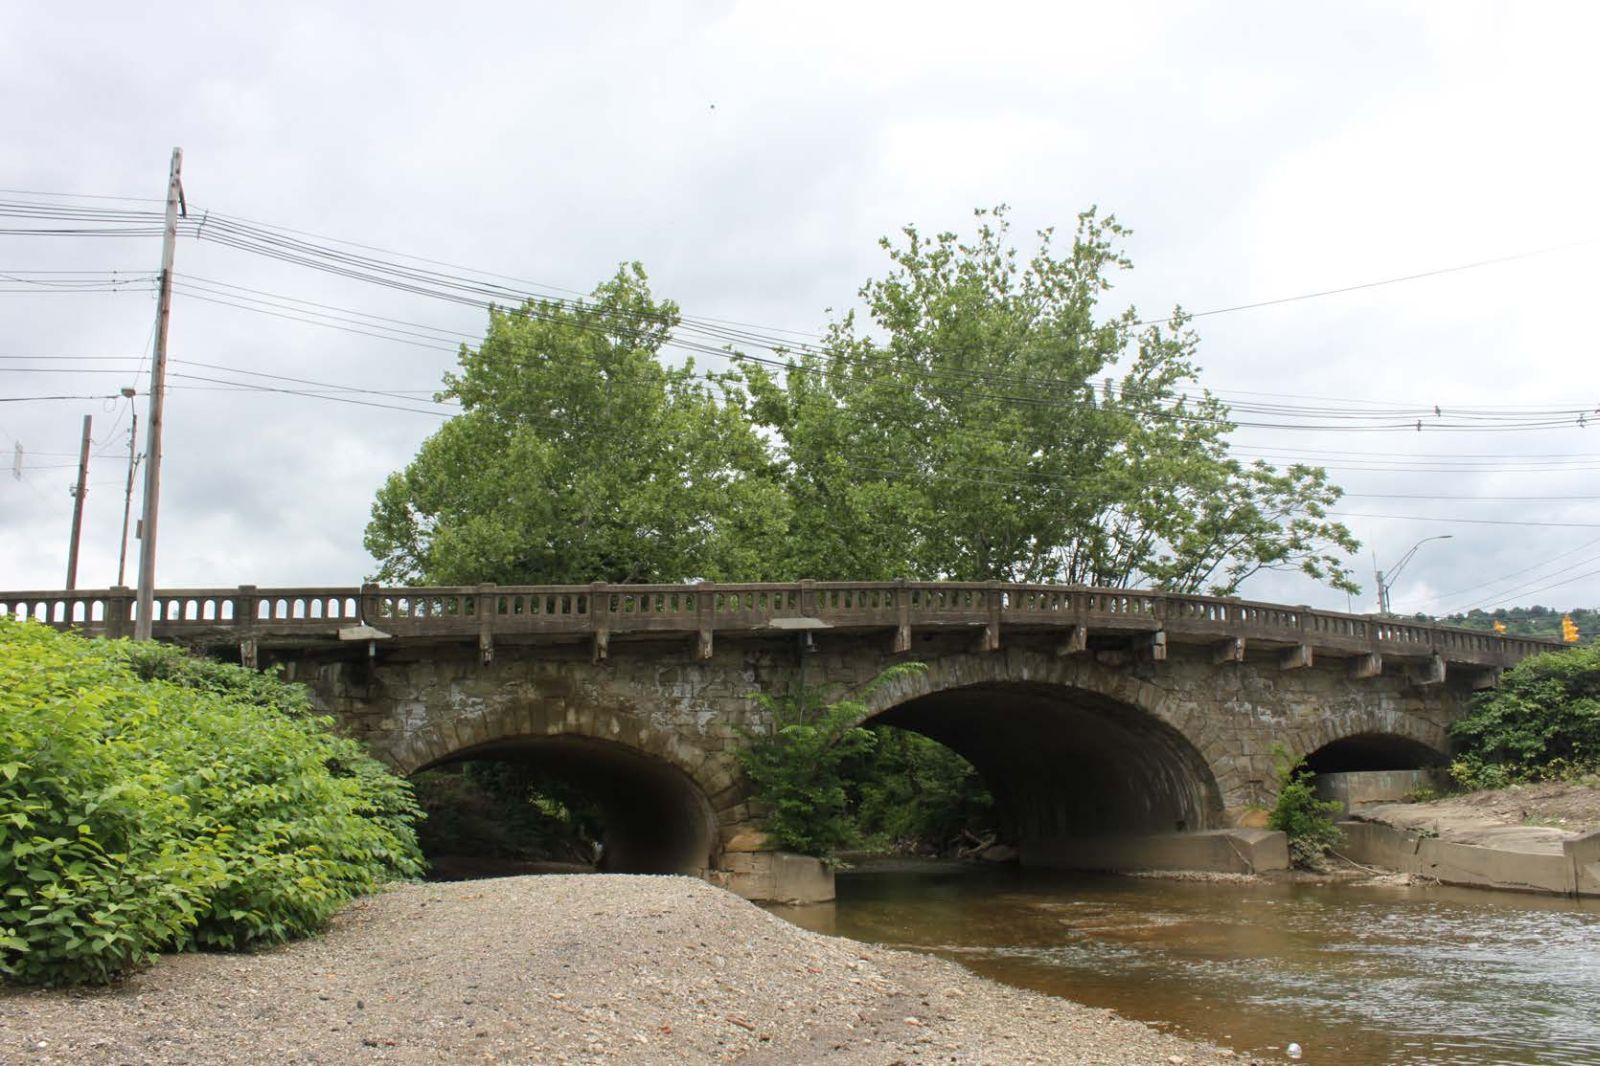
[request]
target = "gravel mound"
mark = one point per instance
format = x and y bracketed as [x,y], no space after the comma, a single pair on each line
[567,969]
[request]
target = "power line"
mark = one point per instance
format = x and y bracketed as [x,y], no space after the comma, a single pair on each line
[252,387]
[80,195]
[1514,574]
[1524,592]
[1494,499]
[272,242]
[1386,281]
[1466,521]
[32,399]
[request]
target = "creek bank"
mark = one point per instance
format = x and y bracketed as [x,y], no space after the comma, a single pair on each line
[1528,838]
[569,969]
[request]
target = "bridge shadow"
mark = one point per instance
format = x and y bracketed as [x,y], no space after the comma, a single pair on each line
[1066,764]
[649,817]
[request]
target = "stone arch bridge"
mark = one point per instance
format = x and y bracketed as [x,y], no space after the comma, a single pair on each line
[1115,728]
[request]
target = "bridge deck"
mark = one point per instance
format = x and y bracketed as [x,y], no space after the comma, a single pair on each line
[306,617]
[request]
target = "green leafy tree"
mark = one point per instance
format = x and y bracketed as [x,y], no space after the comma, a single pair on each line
[1542,721]
[989,424]
[910,792]
[799,768]
[582,455]
[1533,621]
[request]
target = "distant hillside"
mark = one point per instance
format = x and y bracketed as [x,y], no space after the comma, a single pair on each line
[1529,621]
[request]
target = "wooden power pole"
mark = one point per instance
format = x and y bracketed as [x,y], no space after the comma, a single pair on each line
[158,392]
[78,494]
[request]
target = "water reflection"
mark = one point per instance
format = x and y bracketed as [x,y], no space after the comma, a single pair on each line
[1353,973]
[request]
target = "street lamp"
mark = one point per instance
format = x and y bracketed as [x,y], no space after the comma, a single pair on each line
[1385,583]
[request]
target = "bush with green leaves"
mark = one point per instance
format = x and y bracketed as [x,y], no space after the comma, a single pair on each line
[1541,723]
[504,810]
[911,793]
[1305,819]
[798,770]
[151,801]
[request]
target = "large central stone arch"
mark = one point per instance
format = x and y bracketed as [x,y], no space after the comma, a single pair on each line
[1070,749]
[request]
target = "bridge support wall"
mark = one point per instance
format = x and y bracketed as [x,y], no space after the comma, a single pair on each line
[1075,746]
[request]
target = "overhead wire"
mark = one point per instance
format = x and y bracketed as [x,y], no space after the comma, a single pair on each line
[1446,597]
[280,243]
[1501,598]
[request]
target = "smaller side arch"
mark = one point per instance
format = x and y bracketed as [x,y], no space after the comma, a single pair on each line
[655,819]
[1364,752]
[656,791]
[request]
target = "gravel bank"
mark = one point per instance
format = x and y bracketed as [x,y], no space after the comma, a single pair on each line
[568,969]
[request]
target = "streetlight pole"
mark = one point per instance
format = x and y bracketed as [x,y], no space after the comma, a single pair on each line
[1386,581]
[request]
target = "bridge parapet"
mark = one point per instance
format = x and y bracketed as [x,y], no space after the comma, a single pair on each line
[306,616]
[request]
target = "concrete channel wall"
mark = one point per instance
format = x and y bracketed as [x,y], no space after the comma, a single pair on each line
[1377,786]
[1572,871]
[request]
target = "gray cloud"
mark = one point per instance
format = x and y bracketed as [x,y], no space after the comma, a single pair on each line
[1257,150]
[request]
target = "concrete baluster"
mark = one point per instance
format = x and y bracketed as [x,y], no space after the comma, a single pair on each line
[600,618]
[244,623]
[705,609]
[902,609]
[486,608]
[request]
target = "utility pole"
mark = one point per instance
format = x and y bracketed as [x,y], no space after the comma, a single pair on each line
[158,392]
[127,500]
[78,494]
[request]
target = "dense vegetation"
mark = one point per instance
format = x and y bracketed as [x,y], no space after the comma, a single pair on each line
[987,417]
[990,421]
[1541,722]
[503,810]
[912,794]
[827,784]
[1306,820]
[151,801]
[1529,621]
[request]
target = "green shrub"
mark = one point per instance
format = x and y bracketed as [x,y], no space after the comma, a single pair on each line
[504,810]
[910,792]
[798,769]
[1307,820]
[1542,722]
[150,801]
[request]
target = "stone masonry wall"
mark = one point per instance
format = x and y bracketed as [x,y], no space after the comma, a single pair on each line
[418,705]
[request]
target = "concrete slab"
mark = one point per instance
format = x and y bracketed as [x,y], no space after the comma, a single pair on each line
[1571,869]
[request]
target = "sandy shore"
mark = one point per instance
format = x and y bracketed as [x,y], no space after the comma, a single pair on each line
[565,969]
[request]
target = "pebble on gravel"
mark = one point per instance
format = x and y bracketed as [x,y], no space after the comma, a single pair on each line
[568,969]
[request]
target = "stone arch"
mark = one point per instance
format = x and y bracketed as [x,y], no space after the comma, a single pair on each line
[654,789]
[1378,735]
[1071,749]
[1373,751]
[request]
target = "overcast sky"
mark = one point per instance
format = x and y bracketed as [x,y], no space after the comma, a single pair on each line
[750,159]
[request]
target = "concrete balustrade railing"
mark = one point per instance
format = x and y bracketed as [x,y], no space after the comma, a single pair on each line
[300,616]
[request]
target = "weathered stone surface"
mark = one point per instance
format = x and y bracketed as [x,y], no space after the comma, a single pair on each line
[748,840]
[1073,746]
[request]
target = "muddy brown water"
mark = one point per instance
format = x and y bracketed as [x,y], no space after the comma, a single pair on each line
[1352,973]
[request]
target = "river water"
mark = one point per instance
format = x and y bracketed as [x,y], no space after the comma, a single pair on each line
[1352,973]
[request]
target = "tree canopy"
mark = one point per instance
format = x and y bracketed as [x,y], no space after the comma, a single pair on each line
[581,454]
[988,425]
[983,419]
